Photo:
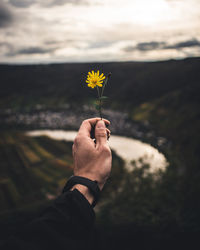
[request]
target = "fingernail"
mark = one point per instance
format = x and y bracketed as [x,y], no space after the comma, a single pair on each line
[100,124]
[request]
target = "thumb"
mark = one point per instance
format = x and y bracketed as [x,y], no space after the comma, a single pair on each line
[100,133]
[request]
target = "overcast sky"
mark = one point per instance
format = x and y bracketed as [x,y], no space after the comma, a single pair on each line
[40,31]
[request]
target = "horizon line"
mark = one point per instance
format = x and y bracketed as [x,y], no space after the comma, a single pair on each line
[94,62]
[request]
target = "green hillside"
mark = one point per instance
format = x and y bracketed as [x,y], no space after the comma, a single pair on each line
[32,169]
[176,115]
[55,85]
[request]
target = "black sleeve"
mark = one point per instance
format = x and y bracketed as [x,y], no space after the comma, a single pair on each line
[67,224]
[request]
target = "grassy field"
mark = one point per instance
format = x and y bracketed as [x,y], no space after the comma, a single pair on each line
[31,168]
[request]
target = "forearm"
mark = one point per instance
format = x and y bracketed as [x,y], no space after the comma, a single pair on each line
[85,191]
[66,224]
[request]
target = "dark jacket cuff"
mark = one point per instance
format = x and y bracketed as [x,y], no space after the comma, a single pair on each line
[85,209]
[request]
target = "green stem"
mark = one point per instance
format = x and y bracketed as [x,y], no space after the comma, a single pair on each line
[99,96]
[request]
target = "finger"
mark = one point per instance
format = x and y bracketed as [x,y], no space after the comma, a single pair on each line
[92,133]
[108,133]
[88,124]
[100,133]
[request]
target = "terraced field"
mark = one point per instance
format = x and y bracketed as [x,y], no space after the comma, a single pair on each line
[31,169]
[34,170]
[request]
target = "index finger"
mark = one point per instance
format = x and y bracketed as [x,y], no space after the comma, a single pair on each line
[87,125]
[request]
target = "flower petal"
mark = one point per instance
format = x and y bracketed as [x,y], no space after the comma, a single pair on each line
[94,79]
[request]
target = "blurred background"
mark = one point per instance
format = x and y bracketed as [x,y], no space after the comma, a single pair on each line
[152,49]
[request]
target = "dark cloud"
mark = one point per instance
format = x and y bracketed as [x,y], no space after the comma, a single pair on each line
[185,44]
[6,16]
[30,51]
[149,46]
[62,2]
[35,50]
[162,45]
[22,3]
[145,46]
[50,3]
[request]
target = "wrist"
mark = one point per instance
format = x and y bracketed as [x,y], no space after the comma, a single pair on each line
[90,190]
[85,191]
[93,178]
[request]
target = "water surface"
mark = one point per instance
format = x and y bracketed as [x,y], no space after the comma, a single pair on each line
[128,149]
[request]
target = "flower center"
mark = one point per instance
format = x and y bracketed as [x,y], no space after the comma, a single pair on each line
[94,81]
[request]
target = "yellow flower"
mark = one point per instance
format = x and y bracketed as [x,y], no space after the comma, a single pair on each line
[94,79]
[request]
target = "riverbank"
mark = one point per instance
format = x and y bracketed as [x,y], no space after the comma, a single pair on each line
[70,118]
[130,150]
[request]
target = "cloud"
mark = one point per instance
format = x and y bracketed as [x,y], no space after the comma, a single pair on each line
[63,2]
[145,46]
[149,46]
[30,51]
[129,48]
[154,45]
[6,16]
[5,45]
[185,44]
[50,3]
[100,44]
[75,30]
[22,3]
[35,50]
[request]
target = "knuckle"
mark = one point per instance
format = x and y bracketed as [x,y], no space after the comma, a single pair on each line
[77,140]
[85,121]
[101,132]
[106,150]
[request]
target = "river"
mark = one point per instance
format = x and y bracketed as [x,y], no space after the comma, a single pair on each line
[128,149]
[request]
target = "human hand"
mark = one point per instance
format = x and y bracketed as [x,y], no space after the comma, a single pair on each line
[92,160]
